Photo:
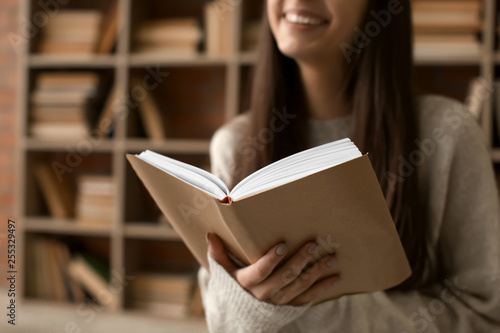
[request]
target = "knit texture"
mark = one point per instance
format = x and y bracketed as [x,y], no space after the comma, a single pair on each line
[461,206]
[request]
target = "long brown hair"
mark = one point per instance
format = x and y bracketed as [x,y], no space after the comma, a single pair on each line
[385,122]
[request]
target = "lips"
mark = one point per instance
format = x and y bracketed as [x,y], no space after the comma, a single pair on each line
[305,18]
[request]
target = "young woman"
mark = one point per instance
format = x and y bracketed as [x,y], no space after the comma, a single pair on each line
[330,69]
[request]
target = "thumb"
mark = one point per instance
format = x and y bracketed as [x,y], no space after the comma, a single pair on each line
[217,252]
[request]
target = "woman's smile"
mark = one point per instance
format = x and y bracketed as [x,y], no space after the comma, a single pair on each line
[303,19]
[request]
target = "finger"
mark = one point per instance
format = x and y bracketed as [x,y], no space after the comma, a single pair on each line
[217,252]
[289,271]
[262,268]
[315,290]
[305,280]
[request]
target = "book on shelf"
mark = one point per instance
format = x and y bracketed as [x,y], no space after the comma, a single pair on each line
[67,80]
[328,193]
[450,16]
[447,5]
[48,113]
[219,28]
[60,97]
[48,278]
[58,130]
[168,36]
[92,274]
[71,31]
[58,195]
[95,199]
[168,294]
[60,103]
[105,123]
[447,27]
[109,30]
[151,116]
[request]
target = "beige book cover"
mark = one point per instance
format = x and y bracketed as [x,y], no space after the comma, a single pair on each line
[341,207]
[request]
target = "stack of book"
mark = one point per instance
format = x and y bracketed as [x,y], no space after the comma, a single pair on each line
[168,36]
[71,32]
[447,27]
[95,199]
[163,294]
[218,27]
[47,268]
[59,104]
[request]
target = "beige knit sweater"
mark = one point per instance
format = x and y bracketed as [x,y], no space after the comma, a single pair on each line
[458,185]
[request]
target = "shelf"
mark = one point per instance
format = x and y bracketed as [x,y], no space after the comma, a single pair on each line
[451,59]
[64,226]
[61,145]
[198,59]
[446,59]
[170,146]
[245,58]
[148,230]
[53,316]
[63,61]
[197,322]
[495,155]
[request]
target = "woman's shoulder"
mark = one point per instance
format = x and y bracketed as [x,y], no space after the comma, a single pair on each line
[445,120]
[234,127]
[231,133]
[224,145]
[450,145]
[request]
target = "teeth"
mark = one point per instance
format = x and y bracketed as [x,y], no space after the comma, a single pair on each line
[294,18]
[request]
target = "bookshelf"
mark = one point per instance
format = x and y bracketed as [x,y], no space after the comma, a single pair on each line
[200,93]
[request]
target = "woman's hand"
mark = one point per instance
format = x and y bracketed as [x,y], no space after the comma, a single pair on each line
[295,282]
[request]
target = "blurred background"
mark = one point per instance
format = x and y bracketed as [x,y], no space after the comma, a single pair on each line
[84,82]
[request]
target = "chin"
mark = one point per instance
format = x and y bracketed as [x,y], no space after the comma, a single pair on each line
[298,51]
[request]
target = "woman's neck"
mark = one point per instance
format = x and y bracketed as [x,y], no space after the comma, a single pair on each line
[325,91]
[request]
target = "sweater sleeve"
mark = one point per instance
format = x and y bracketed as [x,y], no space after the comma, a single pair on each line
[464,216]
[230,308]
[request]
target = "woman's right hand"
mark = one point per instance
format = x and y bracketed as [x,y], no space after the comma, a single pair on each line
[295,282]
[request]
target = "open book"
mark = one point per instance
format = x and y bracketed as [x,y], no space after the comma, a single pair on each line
[328,193]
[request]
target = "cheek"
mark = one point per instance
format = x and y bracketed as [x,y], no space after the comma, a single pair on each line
[273,13]
[348,15]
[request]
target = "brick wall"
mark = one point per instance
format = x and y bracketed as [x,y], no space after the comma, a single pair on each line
[8,85]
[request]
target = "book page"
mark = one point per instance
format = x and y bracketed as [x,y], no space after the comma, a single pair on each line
[190,174]
[296,166]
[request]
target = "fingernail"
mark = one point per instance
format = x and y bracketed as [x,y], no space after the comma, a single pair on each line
[313,249]
[332,261]
[334,280]
[281,249]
